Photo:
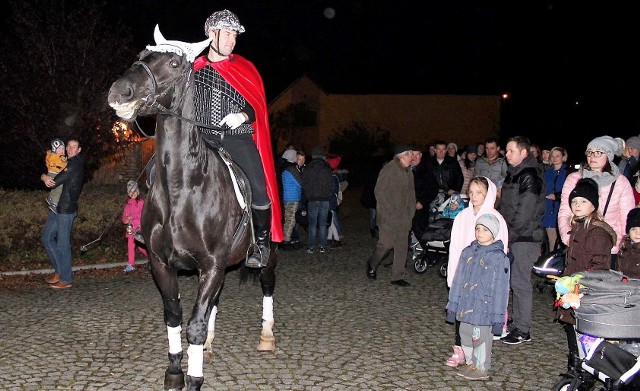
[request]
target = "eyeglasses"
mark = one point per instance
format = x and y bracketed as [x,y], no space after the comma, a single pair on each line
[595,154]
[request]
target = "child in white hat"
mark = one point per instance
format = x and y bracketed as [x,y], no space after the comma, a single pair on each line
[479,296]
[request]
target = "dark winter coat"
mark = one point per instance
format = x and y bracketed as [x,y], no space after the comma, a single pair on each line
[629,258]
[316,180]
[522,202]
[396,197]
[448,174]
[589,248]
[480,290]
[72,178]
[554,180]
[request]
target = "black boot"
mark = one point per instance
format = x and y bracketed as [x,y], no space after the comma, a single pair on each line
[262,228]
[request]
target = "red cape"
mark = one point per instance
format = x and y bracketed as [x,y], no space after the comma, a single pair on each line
[242,75]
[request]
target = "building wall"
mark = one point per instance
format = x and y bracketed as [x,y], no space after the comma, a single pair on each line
[419,119]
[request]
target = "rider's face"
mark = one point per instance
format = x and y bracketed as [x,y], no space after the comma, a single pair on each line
[223,40]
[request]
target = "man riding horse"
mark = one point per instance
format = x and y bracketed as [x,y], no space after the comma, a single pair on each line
[229,93]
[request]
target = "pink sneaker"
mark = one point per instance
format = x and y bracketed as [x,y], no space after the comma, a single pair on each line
[457,358]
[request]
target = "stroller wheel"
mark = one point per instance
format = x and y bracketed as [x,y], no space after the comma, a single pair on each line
[570,383]
[443,269]
[420,264]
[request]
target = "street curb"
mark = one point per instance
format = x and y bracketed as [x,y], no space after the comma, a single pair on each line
[75,268]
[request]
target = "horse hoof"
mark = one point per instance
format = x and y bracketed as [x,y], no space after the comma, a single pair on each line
[173,381]
[208,357]
[267,345]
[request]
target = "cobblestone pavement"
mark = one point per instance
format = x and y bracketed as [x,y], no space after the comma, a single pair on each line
[335,330]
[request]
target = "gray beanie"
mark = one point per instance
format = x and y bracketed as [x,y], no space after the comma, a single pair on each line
[606,144]
[132,186]
[490,222]
[633,142]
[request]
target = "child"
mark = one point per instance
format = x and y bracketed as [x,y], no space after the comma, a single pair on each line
[589,246]
[479,296]
[629,256]
[131,217]
[56,162]
[455,206]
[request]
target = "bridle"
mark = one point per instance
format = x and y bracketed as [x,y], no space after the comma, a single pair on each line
[151,100]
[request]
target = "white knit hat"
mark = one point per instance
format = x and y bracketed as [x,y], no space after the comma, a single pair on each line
[490,222]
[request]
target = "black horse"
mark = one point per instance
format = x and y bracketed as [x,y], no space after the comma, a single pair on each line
[193,218]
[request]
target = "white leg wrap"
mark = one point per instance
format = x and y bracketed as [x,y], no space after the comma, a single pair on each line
[175,341]
[196,360]
[212,318]
[267,308]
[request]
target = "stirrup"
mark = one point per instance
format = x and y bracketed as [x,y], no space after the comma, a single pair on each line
[259,258]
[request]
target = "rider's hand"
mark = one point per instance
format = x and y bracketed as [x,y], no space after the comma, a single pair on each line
[233,120]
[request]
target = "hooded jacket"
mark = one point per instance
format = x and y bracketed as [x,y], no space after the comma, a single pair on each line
[480,291]
[589,247]
[463,231]
[629,258]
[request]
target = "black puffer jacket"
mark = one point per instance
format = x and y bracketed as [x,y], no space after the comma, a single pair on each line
[448,175]
[72,178]
[522,202]
[316,180]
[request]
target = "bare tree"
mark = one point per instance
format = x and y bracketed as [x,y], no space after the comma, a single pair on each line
[60,59]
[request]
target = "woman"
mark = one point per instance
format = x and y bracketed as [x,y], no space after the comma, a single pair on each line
[468,166]
[554,178]
[482,195]
[534,150]
[614,191]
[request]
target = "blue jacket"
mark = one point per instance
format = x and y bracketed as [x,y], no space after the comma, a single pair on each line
[554,179]
[480,290]
[291,185]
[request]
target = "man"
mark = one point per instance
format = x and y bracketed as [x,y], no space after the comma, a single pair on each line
[396,205]
[446,170]
[629,164]
[426,190]
[522,207]
[56,236]
[492,165]
[229,93]
[316,189]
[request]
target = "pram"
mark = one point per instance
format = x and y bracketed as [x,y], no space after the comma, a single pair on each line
[436,238]
[608,334]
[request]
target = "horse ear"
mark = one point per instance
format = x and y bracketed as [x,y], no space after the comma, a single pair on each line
[157,36]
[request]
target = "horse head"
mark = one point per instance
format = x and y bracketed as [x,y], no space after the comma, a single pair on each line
[149,85]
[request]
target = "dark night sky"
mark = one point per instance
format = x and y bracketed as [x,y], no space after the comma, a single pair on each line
[547,54]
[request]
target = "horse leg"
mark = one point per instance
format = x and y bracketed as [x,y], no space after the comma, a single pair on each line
[167,283]
[268,282]
[210,285]
[208,350]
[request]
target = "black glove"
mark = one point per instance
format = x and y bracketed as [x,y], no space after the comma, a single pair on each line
[496,328]
[451,316]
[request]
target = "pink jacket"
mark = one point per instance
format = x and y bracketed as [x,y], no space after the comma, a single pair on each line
[463,231]
[133,209]
[619,206]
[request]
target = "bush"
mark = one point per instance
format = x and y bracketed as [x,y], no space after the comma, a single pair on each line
[23,215]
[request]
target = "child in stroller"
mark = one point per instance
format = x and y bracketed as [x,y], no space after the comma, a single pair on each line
[433,246]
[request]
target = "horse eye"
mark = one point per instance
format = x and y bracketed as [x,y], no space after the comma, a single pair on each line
[174,63]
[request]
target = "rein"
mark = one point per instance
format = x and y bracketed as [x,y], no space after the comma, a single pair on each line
[163,110]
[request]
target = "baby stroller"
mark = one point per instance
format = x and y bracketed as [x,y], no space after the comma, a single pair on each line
[608,334]
[436,238]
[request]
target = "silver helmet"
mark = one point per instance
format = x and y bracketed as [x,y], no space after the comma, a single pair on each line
[224,19]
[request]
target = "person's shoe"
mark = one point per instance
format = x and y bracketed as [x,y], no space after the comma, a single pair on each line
[52,279]
[371,272]
[60,285]
[321,249]
[456,358]
[499,337]
[129,268]
[401,283]
[138,237]
[516,337]
[261,219]
[470,372]
[310,250]
[296,245]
